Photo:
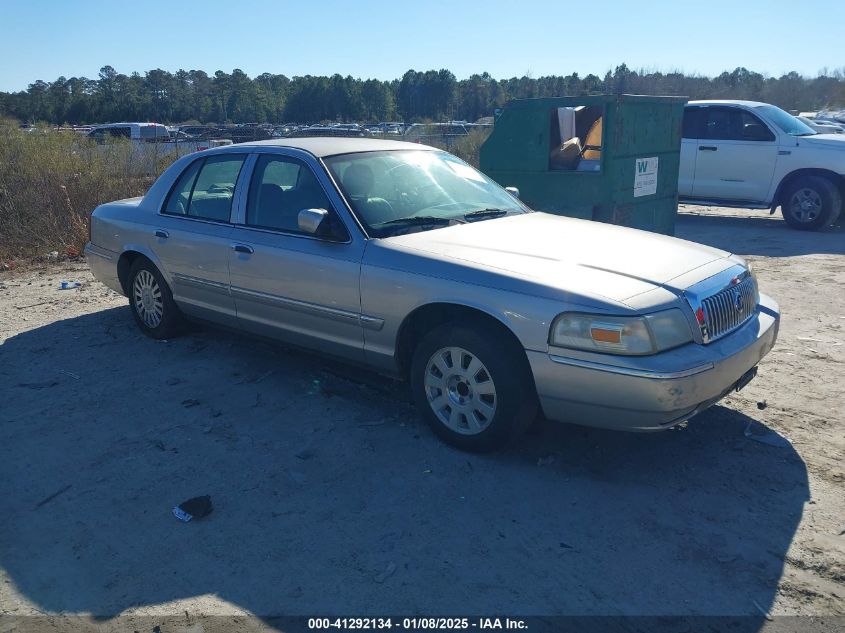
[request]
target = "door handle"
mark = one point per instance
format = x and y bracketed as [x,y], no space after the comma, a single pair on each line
[243,248]
[162,234]
[707,148]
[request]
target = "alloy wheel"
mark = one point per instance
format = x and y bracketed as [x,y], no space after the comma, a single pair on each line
[147,298]
[460,390]
[805,205]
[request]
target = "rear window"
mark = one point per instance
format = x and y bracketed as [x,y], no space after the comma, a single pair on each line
[206,188]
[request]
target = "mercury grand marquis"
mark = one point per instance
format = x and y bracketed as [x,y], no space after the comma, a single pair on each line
[403,258]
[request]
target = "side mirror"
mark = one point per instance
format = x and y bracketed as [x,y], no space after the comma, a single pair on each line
[513,191]
[321,223]
[309,220]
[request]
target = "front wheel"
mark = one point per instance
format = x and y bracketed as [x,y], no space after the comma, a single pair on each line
[811,203]
[473,386]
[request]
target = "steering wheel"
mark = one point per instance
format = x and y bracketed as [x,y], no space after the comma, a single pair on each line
[374,210]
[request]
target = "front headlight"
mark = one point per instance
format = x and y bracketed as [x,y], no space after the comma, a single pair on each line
[632,336]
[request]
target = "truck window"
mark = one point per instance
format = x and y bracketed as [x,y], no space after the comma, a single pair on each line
[693,118]
[734,124]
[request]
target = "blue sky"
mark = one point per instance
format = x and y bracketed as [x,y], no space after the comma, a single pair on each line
[43,39]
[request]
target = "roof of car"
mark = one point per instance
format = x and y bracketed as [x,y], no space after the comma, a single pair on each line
[748,104]
[322,146]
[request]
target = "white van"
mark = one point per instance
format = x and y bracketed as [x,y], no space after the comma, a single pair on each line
[148,132]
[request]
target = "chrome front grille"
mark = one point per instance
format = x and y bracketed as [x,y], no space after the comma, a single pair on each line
[728,309]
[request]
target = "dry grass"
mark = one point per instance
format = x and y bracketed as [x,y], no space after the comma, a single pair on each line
[467,147]
[51,181]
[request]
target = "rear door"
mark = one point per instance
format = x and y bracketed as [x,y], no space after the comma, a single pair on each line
[192,236]
[286,283]
[735,156]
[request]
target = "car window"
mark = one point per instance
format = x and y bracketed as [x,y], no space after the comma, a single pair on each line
[734,124]
[282,187]
[692,122]
[206,188]
[180,195]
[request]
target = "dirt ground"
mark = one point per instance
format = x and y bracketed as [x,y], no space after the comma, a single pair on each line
[332,497]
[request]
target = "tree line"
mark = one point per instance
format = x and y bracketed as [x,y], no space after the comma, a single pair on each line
[193,95]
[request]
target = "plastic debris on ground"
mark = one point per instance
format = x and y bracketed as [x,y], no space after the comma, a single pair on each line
[387,573]
[195,508]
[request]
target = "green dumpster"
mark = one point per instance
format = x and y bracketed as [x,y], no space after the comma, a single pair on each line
[611,158]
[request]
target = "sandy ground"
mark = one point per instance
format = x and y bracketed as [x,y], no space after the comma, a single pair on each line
[332,497]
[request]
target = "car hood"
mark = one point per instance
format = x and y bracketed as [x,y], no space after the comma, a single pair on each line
[566,253]
[831,141]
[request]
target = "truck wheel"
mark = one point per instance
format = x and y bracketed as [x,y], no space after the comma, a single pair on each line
[811,203]
[472,387]
[152,303]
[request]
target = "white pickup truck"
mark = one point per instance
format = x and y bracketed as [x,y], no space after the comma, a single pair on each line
[755,155]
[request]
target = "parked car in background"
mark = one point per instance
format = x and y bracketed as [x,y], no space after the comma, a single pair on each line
[146,132]
[393,128]
[179,135]
[286,129]
[199,131]
[755,155]
[821,126]
[404,258]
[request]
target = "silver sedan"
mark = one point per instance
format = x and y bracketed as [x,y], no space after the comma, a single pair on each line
[405,259]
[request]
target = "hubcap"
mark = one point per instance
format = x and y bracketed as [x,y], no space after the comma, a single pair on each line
[147,298]
[460,390]
[805,205]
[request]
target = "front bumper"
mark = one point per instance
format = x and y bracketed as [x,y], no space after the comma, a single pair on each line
[649,393]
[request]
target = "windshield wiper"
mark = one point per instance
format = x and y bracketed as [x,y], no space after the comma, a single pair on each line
[485,213]
[418,220]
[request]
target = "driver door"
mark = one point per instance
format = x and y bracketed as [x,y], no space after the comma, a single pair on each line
[287,284]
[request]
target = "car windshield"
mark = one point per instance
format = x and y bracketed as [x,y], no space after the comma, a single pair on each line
[785,121]
[394,192]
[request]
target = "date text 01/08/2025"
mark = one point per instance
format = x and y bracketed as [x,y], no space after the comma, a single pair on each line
[416,623]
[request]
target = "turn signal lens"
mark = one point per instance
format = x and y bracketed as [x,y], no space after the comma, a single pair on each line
[601,335]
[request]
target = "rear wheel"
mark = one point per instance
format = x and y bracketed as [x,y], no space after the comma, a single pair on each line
[152,303]
[473,386]
[811,203]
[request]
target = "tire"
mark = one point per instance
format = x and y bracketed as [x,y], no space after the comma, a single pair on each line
[152,303]
[473,386]
[811,203]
